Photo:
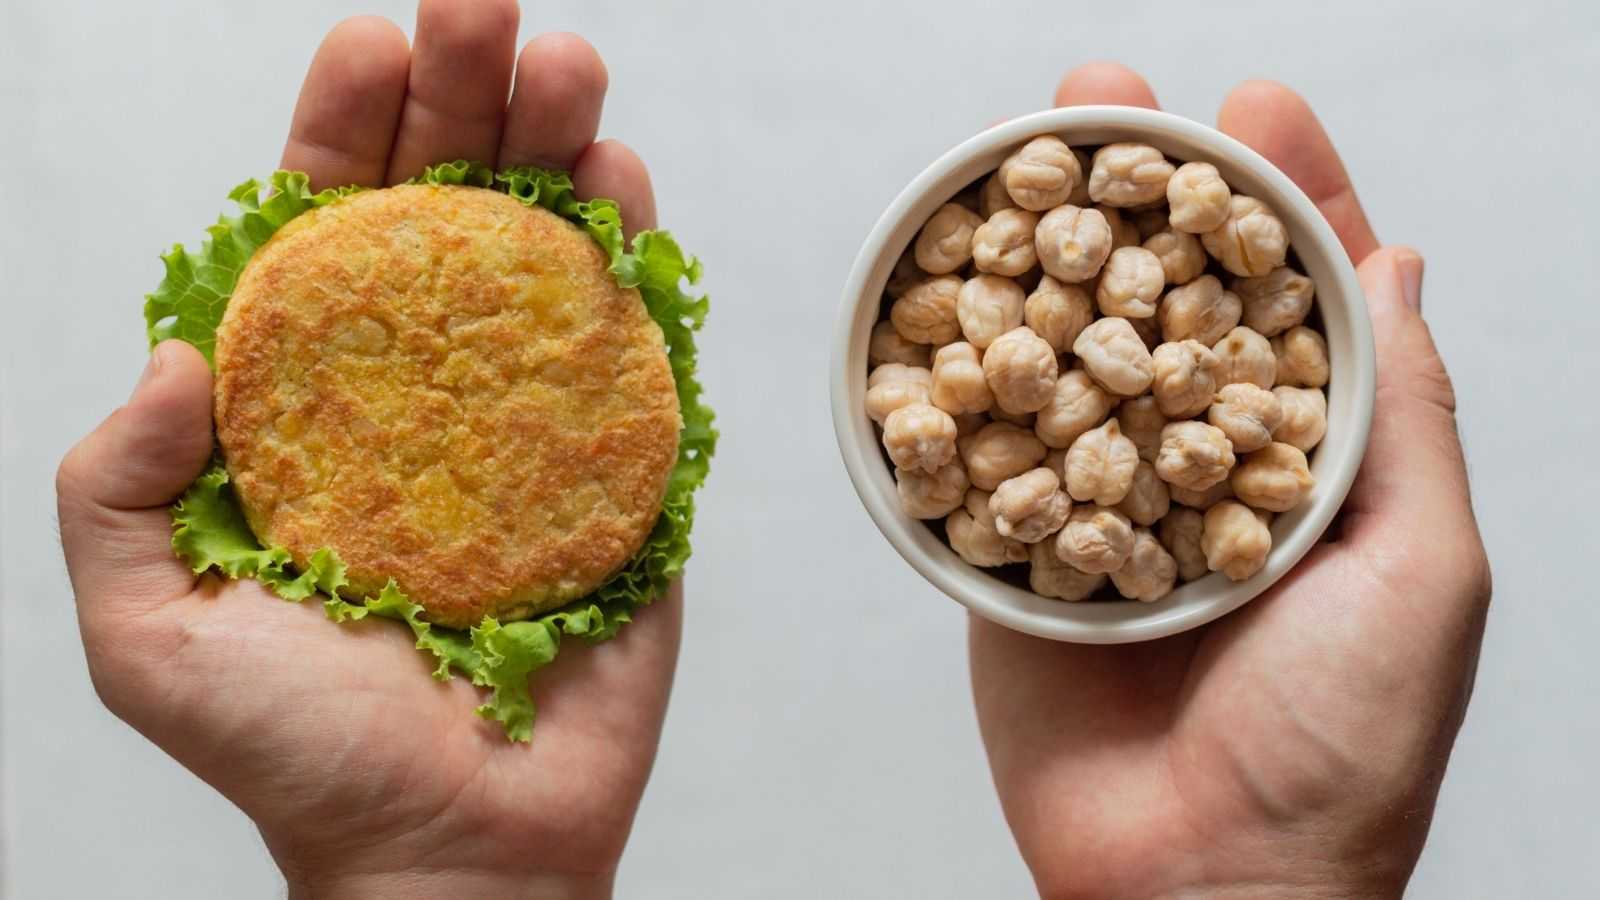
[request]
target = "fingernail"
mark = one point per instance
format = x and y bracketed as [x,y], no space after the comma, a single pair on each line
[1410,265]
[151,368]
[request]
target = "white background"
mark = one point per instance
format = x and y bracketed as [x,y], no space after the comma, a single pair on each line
[821,740]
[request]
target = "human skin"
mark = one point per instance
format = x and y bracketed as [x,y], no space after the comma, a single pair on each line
[1295,747]
[365,777]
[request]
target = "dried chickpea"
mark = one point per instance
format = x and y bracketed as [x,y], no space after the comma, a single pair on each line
[1130,283]
[1247,414]
[1123,232]
[1235,541]
[1072,243]
[1058,312]
[888,346]
[1115,356]
[926,314]
[1021,370]
[1100,465]
[1194,455]
[1041,173]
[904,276]
[931,495]
[1128,174]
[1247,358]
[1149,331]
[999,450]
[1148,499]
[1080,191]
[1004,244]
[1030,507]
[1076,405]
[1142,421]
[1305,417]
[1023,420]
[1150,572]
[1095,539]
[945,242]
[1056,461]
[1048,576]
[958,385]
[992,197]
[1302,356]
[920,436]
[1151,222]
[1274,478]
[1275,302]
[1200,310]
[969,423]
[1185,378]
[1180,532]
[892,386]
[1180,254]
[1251,241]
[988,306]
[1201,500]
[1198,198]
[972,534]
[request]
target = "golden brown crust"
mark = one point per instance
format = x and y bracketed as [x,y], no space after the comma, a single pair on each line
[447,388]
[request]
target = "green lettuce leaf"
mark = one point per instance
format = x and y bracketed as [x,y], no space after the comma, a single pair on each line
[210,530]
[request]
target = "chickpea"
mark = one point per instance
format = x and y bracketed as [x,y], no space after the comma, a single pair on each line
[1128,174]
[1185,378]
[1115,356]
[945,243]
[1200,310]
[1100,465]
[1072,243]
[1247,414]
[1305,417]
[1058,312]
[1149,331]
[1180,533]
[1141,419]
[1031,506]
[1095,539]
[1041,173]
[1201,500]
[1123,232]
[1150,572]
[1048,576]
[1151,222]
[1056,461]
[931,495]
[988,306]
[1198,198]
[904,276]
[1302,356]
[1021,369]
[969,423]
[1274,478]
[1246,358]
[1130,283]
[999,450]
[892,386]
[1148,499]
[958,385]
[920,436]
[1004,244]
[1194,455]
[1275,302]
[1235,541]
[992,197]
[887,346]
[1080,191]
[1251,241]
[1180,254]
[972,534]
[1076,405]
[1023,420]
[926,314]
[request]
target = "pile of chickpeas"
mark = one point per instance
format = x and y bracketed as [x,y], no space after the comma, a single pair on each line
[1100,366]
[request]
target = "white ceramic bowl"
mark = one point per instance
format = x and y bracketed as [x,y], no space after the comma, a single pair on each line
[1334,463]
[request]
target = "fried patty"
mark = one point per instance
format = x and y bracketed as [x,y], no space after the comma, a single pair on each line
[447,388]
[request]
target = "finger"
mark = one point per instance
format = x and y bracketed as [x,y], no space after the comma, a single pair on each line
[1278,124]
[1105,83]
[555,105]
[460,76]
[113,488]
[344,122]
[609,169]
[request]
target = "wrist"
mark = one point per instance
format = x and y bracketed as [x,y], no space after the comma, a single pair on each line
[426,884]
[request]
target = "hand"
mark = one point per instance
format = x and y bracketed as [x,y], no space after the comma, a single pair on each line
[365,776]
[1295,747]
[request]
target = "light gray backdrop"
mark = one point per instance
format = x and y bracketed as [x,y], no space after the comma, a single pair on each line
[821,741]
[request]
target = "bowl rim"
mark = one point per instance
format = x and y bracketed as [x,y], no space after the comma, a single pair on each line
[1005,604]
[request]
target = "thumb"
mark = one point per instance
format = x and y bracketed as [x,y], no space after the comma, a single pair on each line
[113,488]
